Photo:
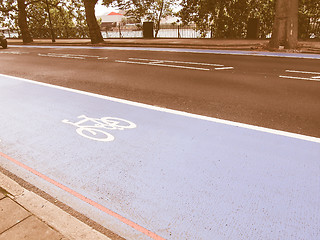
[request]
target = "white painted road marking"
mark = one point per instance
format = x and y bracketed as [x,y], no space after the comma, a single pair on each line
[56,55]
[313,78]
[169,61]
[295,71]
[300,78]
[71,56]
[13,52]
[223,68]
[163,63]
[95,130]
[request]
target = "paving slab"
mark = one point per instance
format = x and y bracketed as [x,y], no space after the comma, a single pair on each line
[48,213]
[31,229]
[11,213]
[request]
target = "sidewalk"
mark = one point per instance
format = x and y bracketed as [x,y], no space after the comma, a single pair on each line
[221,44]
[25,215]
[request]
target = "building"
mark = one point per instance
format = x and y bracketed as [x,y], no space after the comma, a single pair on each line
[111,20]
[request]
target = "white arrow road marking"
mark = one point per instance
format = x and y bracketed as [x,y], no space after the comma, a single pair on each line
[170,63]
[163,65]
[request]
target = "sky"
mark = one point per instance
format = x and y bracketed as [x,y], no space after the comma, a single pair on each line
[100,10]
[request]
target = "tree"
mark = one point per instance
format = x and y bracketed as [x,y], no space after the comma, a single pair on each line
[20,7]
[68,18]
[227,18]
[22,21]
[309,15]
[94,28]
[285,26]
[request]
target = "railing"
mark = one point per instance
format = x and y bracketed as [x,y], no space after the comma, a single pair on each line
[132,31]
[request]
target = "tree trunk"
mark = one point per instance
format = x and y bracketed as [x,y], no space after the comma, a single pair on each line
[94,29]
[158,20]
[285,26]
[22,21]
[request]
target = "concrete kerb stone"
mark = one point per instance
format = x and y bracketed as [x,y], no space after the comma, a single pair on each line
[52,215]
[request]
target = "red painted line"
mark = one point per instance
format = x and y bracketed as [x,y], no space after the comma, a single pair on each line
[85,199]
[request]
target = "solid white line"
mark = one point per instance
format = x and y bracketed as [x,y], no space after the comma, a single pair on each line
[169,61]
[300,78]
[294,71]
[316,77]
[223,68]
[176,112]
[163,65]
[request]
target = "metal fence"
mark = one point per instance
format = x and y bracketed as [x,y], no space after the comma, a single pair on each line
[311,30]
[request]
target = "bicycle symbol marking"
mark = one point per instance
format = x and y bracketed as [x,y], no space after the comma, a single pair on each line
[95,128]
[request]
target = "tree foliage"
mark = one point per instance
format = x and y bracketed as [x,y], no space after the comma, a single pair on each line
[309,19]
[227,18]
[68,17]
[146,10]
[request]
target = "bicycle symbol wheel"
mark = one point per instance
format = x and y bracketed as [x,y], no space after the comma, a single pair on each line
[95,134]
[117,123]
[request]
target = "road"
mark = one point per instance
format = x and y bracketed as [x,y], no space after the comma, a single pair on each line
[252,92]
[149,172]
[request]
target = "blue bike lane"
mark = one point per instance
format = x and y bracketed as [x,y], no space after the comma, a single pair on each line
[171,175]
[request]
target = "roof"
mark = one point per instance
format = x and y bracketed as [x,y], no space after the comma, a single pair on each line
[114,13]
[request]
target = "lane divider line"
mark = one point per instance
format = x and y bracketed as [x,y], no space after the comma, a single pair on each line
[85,199]
[223,68]
[295,71]
[176,112]
[301,78]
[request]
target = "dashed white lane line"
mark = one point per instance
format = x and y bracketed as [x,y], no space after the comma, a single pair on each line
[71,56]
[163,65]
[223,68]
[313,78]
[301,78]
[60,56]
[295,71]
[14,52]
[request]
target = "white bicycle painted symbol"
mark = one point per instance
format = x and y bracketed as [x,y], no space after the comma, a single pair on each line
[94,128]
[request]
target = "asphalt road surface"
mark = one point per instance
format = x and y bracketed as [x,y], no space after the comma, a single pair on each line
[148,172]
[262,91]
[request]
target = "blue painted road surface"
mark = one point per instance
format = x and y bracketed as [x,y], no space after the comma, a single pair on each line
[146,172]
[187,50]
